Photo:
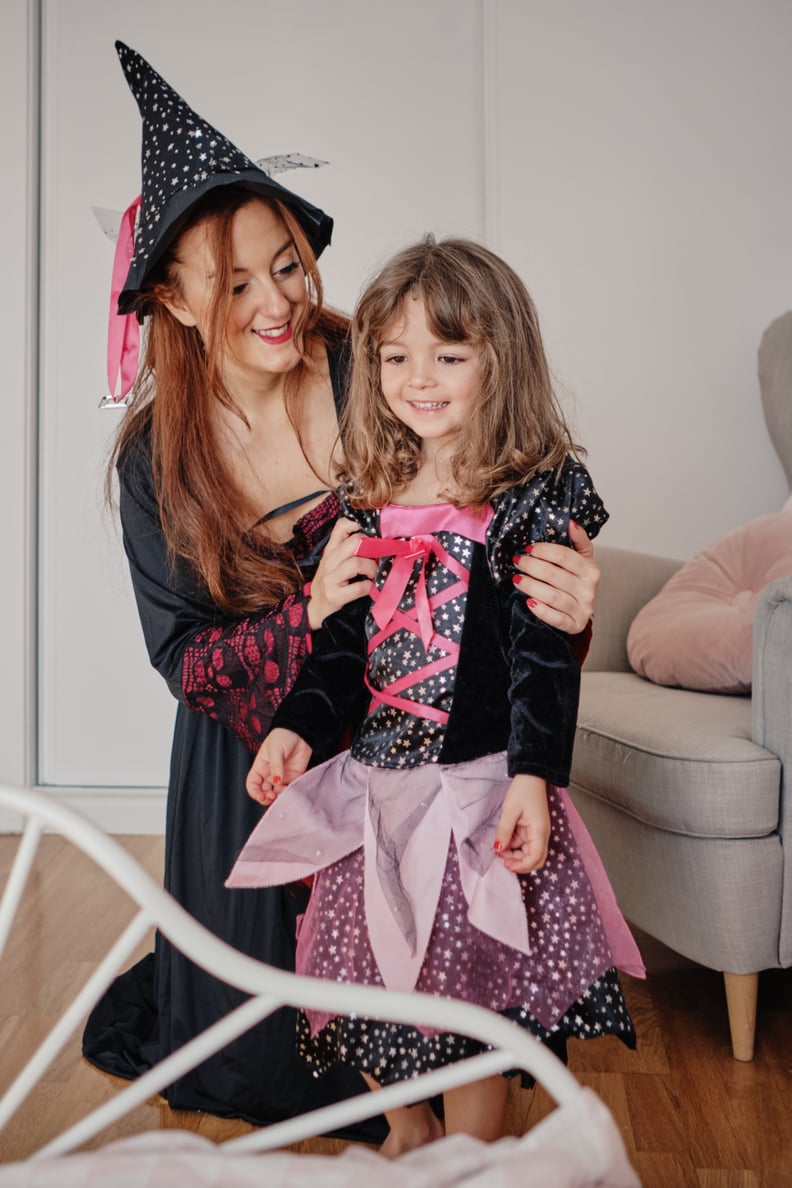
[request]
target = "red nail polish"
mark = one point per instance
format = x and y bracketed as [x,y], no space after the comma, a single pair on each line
[497,846]
[528,549]
[276,779]
[530,602]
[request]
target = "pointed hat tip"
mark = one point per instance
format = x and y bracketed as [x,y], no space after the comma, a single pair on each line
[126,56]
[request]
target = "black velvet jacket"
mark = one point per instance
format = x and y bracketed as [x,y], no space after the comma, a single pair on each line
[517,681]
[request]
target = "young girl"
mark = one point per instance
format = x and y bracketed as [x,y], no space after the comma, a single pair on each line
[448,859]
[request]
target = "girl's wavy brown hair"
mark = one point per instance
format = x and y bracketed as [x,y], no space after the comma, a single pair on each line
[517,427]
[205,517]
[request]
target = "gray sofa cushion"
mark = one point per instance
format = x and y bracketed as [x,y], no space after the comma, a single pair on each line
[694,772]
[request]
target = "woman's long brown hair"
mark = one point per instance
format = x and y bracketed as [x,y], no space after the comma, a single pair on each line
[205,517]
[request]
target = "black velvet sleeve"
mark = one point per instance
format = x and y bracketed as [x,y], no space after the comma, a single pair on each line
[329,691]
[544,690]
[544,686]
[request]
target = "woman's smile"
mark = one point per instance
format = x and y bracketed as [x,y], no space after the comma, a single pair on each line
[275,334]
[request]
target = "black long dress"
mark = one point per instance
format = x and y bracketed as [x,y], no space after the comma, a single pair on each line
[228,677]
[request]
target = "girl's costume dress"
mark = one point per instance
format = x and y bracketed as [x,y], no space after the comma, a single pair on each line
[228,675]
[467,689]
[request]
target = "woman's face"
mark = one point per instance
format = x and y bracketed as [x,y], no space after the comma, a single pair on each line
[268,293]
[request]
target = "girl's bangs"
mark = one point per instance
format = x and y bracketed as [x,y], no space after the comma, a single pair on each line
[448,310]
[448,315]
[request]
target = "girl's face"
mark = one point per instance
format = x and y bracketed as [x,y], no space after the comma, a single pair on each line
[268,293]
[430,385]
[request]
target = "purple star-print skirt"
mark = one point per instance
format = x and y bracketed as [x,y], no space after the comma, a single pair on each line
[409,894]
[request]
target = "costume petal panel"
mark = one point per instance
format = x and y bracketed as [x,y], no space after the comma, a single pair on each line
[305,830]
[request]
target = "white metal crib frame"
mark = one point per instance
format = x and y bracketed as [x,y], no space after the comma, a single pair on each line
[269,989]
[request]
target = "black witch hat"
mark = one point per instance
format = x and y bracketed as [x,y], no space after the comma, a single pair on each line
[183,157]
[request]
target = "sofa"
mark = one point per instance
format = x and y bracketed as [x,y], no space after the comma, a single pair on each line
[686,791]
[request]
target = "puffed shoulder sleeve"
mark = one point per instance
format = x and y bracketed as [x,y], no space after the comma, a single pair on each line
[541,510]
[544,684]
[367,519]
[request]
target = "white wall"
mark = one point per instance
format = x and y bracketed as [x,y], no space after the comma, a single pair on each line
[629,157]
[18,219]
[644,189]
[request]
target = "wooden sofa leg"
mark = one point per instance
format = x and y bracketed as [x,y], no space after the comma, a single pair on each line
[742,991]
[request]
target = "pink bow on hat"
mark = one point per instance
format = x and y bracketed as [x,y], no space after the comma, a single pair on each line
[123,331]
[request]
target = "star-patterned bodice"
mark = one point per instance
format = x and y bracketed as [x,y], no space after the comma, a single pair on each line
[414,629]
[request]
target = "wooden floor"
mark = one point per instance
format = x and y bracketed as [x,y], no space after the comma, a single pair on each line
[690,1115]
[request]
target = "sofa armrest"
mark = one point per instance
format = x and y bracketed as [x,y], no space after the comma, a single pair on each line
[629,580]
[772,673]
[771,709]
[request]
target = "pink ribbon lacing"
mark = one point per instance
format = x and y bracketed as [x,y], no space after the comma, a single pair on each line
[418,619]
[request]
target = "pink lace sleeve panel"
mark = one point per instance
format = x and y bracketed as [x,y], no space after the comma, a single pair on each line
[239,675]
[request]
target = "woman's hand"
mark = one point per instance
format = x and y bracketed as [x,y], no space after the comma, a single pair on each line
[334,583]
[523,832]
[560,583]
[281,758]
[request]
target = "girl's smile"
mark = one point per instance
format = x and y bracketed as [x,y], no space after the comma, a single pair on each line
[431,386]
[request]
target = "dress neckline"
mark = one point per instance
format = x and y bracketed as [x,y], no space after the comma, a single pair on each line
[290,506]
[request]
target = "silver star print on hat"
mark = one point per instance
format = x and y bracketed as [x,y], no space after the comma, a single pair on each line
[182,158]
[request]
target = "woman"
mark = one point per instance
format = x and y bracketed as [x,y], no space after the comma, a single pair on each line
[236,557]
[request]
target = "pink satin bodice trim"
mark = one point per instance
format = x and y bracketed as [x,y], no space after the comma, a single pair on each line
[424,519]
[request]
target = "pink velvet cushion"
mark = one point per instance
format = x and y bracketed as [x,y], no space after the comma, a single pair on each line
[698,631]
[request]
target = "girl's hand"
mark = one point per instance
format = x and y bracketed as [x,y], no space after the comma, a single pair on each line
[523,832]
[334,584]
[560,583]
[281,758]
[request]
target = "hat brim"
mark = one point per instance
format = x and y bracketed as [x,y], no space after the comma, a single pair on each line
[317,225]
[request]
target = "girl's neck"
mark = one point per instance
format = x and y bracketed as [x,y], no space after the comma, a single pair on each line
[432,483]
